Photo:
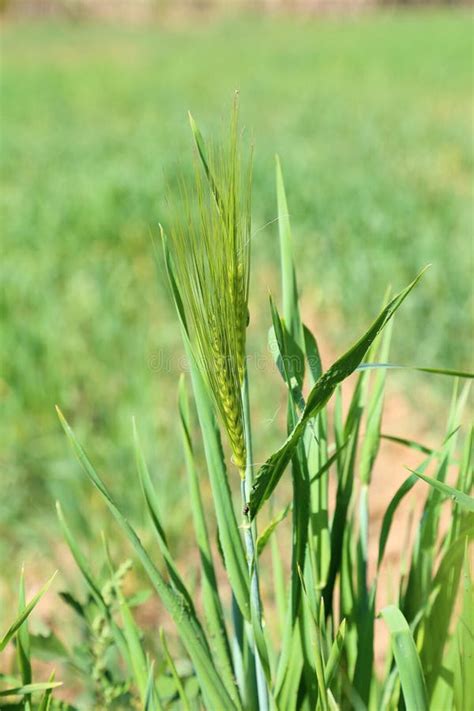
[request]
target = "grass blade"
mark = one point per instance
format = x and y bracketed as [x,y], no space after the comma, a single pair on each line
[335,653]
[459,497]
[312,356]
[271,472]
[291,312]
[401,492]
[371,442]
[174,673]
[187,624]
[45,703]
[28,689]
[153,510]
[264,537]
[23,638]
[407,660]
[465,375]
[93,586]
[24,614]
[152,700]
[410,443]
[210,590]
[201,148]
[132,637]
[316,644]
[464,640]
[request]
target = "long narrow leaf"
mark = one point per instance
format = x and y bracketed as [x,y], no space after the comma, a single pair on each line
[45,703]
[465,375]
[459,497]
[152,700]
[410,443]
[401,492]
[174,672]
[271,472]
[291,311]
[23,638]
[188,626]
[210,591]
[335,653]
[407,660]
[30,688]
[264,537]
[153,510]
[24,614]
[93,586]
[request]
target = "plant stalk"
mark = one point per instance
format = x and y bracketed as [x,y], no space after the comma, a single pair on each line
[250,531]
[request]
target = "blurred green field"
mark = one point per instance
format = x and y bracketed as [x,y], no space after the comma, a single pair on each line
[372,118]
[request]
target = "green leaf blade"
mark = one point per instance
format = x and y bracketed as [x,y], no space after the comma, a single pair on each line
[270,473]
[407,660]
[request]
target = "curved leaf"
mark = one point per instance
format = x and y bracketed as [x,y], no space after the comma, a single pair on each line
[187,624]
[271,472]
[24,614]
[459,497]
[407,660]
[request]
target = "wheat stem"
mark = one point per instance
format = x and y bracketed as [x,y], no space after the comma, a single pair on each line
[250,532]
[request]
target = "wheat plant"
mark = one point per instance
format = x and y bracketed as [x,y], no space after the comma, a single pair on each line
[308,643]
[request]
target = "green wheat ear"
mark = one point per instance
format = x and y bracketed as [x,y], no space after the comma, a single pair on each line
[210,245]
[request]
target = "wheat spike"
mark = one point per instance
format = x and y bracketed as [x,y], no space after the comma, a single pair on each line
[210,241]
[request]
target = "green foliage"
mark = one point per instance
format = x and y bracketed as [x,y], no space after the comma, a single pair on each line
[25,611]
[230,653]
[32,695]
[255,638]
[407,660]
[377,152]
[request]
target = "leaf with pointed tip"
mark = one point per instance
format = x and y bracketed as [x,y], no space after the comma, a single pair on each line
[407,660]
[152,701]
[132,636]
[23,638]
[411,443]
[210,591]
[30,688]
[24,614]
[201,148]
[289,358]
[174,672]
[264,537]
[371,441]
[45,703]
[312,355]
[401,492]
[93,586]
[459,497]
[335,653]
[271,472]
[433,371]
[291,312]
[151,500]
[188,626]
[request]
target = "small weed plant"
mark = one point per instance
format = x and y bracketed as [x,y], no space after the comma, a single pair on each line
[307,642]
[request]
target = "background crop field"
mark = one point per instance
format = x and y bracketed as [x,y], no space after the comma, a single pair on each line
[372,118]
